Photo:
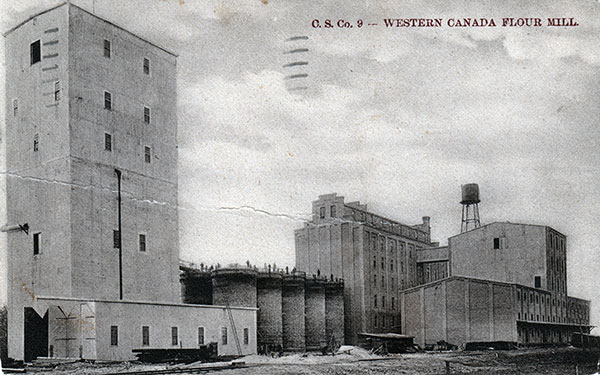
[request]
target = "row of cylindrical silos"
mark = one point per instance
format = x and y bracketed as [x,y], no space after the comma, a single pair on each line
[295,313]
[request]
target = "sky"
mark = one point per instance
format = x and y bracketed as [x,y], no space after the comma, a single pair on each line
[397,118]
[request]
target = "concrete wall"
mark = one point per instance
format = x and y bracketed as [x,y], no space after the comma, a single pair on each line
[523,256]
[460,310]
[527,252]
[87,324]
[36,180]
[149,190]
[68,186]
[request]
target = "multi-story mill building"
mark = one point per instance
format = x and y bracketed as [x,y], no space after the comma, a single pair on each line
[91,145]
[376,257]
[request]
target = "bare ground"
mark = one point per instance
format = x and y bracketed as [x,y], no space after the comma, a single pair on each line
[552,361]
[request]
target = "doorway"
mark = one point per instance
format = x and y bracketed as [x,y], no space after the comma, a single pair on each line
[36,334]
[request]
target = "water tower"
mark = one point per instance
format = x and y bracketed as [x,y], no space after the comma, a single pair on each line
[470,211]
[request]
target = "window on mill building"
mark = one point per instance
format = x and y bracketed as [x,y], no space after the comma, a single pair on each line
[107,48]
[35,52]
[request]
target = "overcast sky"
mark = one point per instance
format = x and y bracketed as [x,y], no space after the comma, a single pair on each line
[397,118]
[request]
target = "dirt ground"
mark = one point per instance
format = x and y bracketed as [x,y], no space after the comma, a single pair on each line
[552,361]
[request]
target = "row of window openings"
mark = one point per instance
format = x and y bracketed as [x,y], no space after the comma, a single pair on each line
[332,212]
[383,321]
[537,299]
[391,246]
[108,104]
[544,318]
[57,94]
[108,146]
[382,281]
[116,242]
[108,54]
[393,301]
[383,263]
[35,54]
[15,101]
[114,336]
[108,142]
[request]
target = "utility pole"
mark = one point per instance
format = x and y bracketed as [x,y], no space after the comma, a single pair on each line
[118,172]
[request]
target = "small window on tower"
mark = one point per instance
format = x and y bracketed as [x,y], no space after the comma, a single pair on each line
[147,157]
[56,91]
[107,100]
[246,336]
[538,281]
[15,103]
[223,335]
[174,336]
[146,66]
[116,239]
[145,336]
[147,115]
[114,335]
[200,335]
[322,212]
[36,143]
[142,242]
[107,142]
[332,210]
[36,243]
[35,52]
[499,243]
[107,48]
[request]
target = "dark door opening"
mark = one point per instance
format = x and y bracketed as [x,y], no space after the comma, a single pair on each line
[36,335]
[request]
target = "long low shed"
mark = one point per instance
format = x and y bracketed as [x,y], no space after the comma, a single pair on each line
[110,330]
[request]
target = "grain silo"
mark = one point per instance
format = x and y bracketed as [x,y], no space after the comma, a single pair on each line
[292,307]
[334,312]
[269,316]
[234,287]
[315,313]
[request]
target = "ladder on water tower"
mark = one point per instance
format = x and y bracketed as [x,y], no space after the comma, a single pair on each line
[232,322]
